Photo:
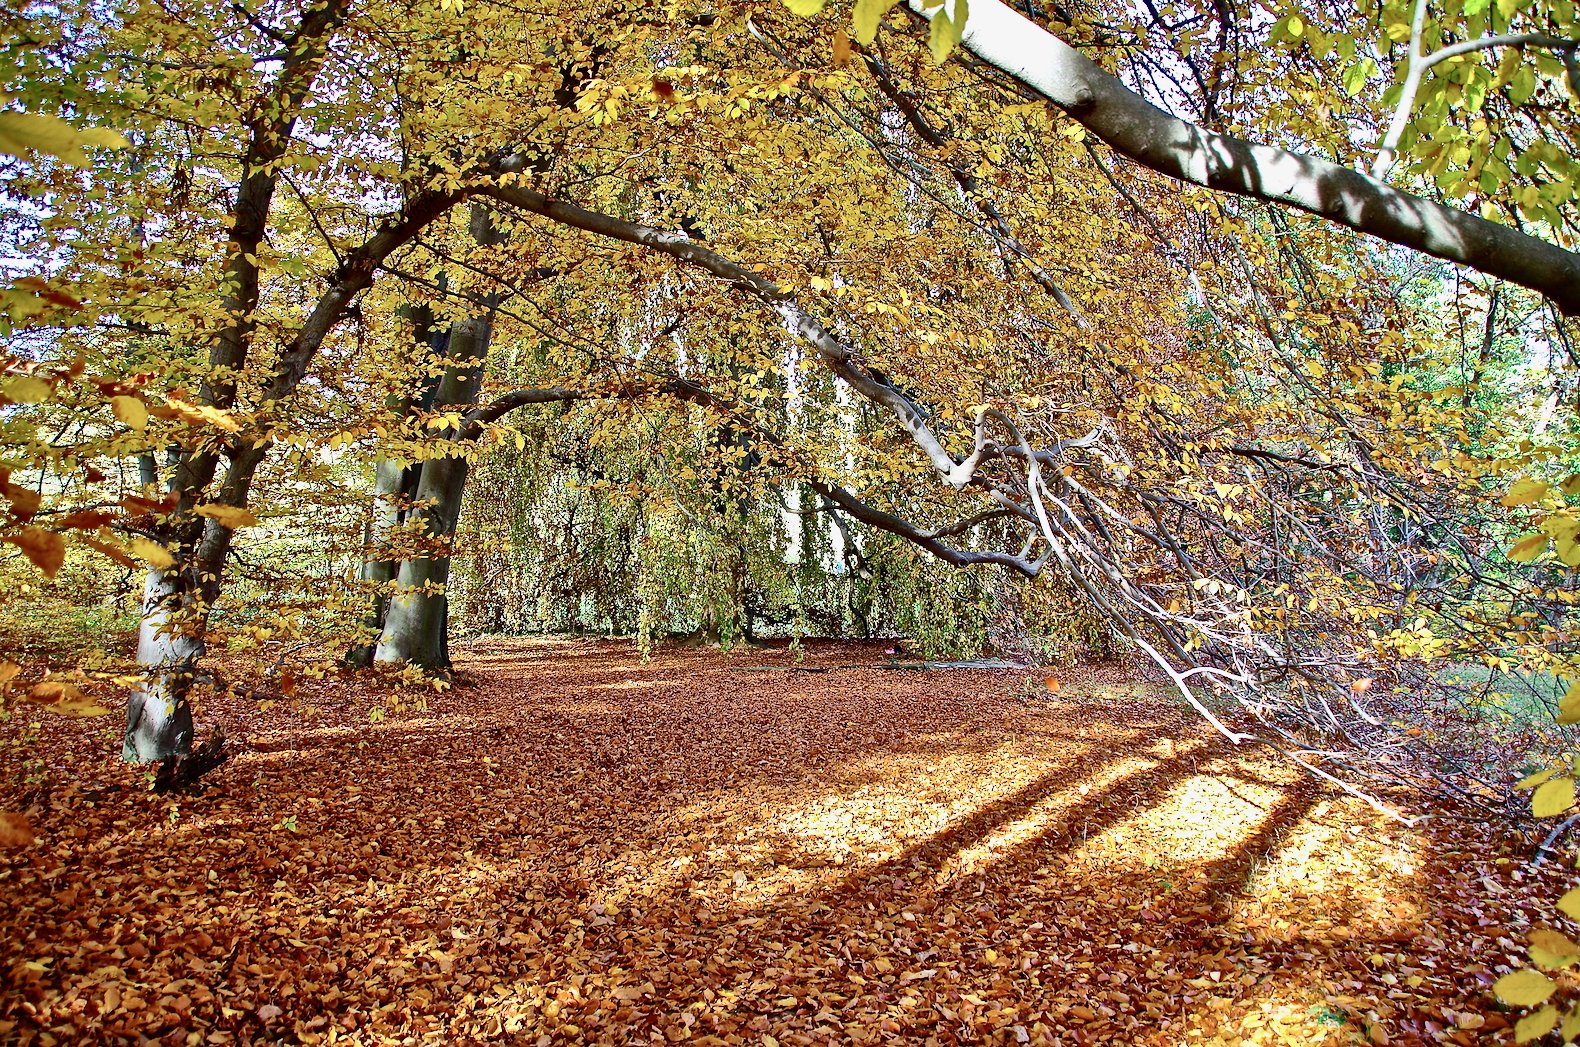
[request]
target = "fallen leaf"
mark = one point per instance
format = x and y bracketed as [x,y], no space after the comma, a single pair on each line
[15,830]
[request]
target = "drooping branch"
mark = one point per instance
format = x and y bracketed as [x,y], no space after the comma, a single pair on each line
[1171,575]
[929,540]
[1135,128]
[834,353]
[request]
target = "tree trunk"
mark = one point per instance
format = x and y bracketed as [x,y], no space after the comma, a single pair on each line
[159,715]
[389,483]
[415,623]
[417,618]
[394,489]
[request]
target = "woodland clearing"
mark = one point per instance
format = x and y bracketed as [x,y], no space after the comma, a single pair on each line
[574,845]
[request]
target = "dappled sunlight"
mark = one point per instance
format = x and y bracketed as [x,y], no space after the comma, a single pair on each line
[838,857]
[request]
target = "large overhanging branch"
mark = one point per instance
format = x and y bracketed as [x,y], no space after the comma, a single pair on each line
[1134,127]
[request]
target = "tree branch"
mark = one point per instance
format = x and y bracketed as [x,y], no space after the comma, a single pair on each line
[1134,127]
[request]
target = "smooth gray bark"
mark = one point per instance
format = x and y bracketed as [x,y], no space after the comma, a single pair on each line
[394,488]
[415,621]
[1134,127]
[377,569]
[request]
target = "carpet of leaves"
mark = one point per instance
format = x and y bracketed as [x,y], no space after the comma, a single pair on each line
[575,846]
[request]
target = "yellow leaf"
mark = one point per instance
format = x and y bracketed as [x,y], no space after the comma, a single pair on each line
[1528,548]
[1569,707]
[130,411]
[227,516]
[1534,1026]
[1557,949]
[868,14]
[46,549]
[943,33]
[804,7]
[153,552]
[22,133]
[1525,492]
[1570,1029]
[25,389]
[1532,781]
[1554,797]
[1524,988]
[197,414]
[1569,904]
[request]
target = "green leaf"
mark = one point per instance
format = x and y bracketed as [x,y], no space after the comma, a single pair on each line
[868,14]
[1475,7]
[1554,797]
[804,7]
[1355,76]
[1522,86]
[1524,988]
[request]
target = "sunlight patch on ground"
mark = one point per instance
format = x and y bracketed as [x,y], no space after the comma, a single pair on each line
[850,857]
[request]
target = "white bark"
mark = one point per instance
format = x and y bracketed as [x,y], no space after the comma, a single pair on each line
[1134,127]
[158,716]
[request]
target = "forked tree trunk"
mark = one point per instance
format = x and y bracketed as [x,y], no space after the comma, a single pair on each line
[171,632]
[417,619]
[394,489]
[378,571]
[415,624]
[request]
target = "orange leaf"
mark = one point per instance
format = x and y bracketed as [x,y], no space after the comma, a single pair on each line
[64,699]
[15,831]
[24,500]
[46,549]
[841,48]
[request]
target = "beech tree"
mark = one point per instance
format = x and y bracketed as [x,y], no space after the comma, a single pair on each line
[1168,399]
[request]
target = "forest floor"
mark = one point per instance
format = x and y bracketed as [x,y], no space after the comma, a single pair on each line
[574,846]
